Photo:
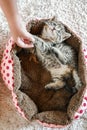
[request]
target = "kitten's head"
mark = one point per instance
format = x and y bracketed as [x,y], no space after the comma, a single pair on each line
[54,31]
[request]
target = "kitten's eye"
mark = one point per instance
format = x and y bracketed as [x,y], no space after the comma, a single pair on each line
[54,24]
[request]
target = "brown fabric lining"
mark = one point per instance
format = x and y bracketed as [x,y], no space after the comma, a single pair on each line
[42,104]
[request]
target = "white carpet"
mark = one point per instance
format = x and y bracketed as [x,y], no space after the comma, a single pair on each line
[71,12]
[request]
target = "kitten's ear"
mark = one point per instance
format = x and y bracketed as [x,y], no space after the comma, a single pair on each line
[55,18]
[66,36]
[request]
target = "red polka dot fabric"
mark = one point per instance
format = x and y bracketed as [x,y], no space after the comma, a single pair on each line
[83,106]
[7,66]
[7,71]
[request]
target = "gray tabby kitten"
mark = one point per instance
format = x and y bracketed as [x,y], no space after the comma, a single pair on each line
[56,56]
[63,75]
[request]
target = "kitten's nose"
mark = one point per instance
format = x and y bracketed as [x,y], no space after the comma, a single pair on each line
[53,29]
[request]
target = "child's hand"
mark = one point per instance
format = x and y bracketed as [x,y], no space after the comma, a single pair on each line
[17,28]
[20,34]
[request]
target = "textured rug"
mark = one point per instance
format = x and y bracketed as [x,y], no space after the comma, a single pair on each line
[71,12]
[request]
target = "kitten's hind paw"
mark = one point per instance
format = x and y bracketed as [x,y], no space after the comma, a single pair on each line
[48,86]
[72,90]
[53,86]
[78,85]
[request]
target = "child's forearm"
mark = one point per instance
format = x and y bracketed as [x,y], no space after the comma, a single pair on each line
[17,27]
[10,10]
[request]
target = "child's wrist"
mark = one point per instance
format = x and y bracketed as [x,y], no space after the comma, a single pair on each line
[14,20]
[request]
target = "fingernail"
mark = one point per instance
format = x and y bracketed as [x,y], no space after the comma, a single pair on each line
[26,40]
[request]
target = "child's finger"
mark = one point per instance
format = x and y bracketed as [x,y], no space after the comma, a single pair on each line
[23,44]
[29,37]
